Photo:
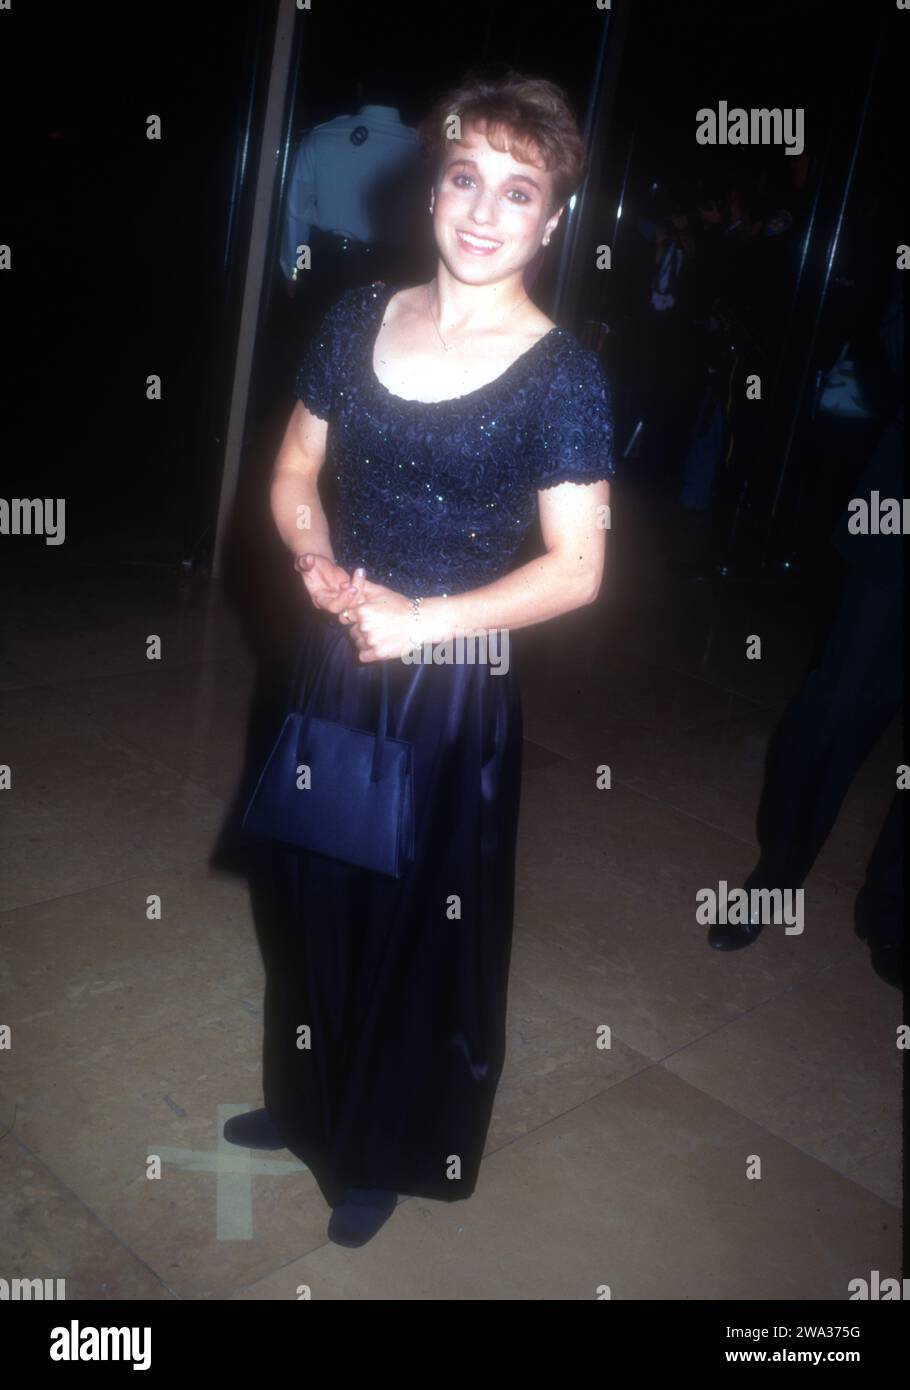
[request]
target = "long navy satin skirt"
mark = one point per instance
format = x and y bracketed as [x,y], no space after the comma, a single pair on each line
[402,982]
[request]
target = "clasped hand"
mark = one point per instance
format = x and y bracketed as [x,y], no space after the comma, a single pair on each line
[379,620]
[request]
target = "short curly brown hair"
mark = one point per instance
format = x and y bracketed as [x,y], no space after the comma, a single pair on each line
[529,116]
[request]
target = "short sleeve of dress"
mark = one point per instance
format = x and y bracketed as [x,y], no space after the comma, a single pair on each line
[575,440]
[319,373]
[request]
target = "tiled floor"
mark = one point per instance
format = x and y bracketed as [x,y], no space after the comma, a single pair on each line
[627,1166]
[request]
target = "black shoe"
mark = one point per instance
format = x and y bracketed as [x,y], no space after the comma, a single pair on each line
[732,936]
[254,1130]
[888,961]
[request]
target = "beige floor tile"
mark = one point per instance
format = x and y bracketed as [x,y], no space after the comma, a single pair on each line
[190,718]
[49,1234]
[218,1216]
[715,772]
[608,927]
[553,1063]
[85,809]
[642,1190]
[819,1067]
[127,1027]
[88,975]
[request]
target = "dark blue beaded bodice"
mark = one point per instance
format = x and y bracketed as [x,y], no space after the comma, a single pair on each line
[435,497]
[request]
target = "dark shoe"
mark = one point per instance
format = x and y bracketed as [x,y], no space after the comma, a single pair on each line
[254,1130]
[888,962]
[360,1215]
[732,936]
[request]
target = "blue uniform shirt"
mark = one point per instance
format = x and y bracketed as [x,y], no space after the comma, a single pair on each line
[346,178]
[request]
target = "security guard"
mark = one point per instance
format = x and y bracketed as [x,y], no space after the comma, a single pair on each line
[351,198]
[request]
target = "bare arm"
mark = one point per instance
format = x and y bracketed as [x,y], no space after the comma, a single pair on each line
[294,495]
[299,516]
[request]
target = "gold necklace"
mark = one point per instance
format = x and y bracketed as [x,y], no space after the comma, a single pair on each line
[451,347]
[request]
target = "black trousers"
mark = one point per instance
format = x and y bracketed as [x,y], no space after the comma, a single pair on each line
[338,266]
[842,709]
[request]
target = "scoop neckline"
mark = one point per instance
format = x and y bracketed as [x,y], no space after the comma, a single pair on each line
[372,338]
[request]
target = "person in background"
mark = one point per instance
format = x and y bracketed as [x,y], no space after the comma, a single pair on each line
[848,700]
[352,197]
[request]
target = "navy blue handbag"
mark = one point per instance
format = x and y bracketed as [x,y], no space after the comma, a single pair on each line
[358,805]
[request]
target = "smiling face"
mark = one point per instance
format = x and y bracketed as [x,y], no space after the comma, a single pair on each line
[491,212]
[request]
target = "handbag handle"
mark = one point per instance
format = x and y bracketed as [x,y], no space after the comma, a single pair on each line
[307,712]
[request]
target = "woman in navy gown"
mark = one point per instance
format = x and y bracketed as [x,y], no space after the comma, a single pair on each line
[450,414]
